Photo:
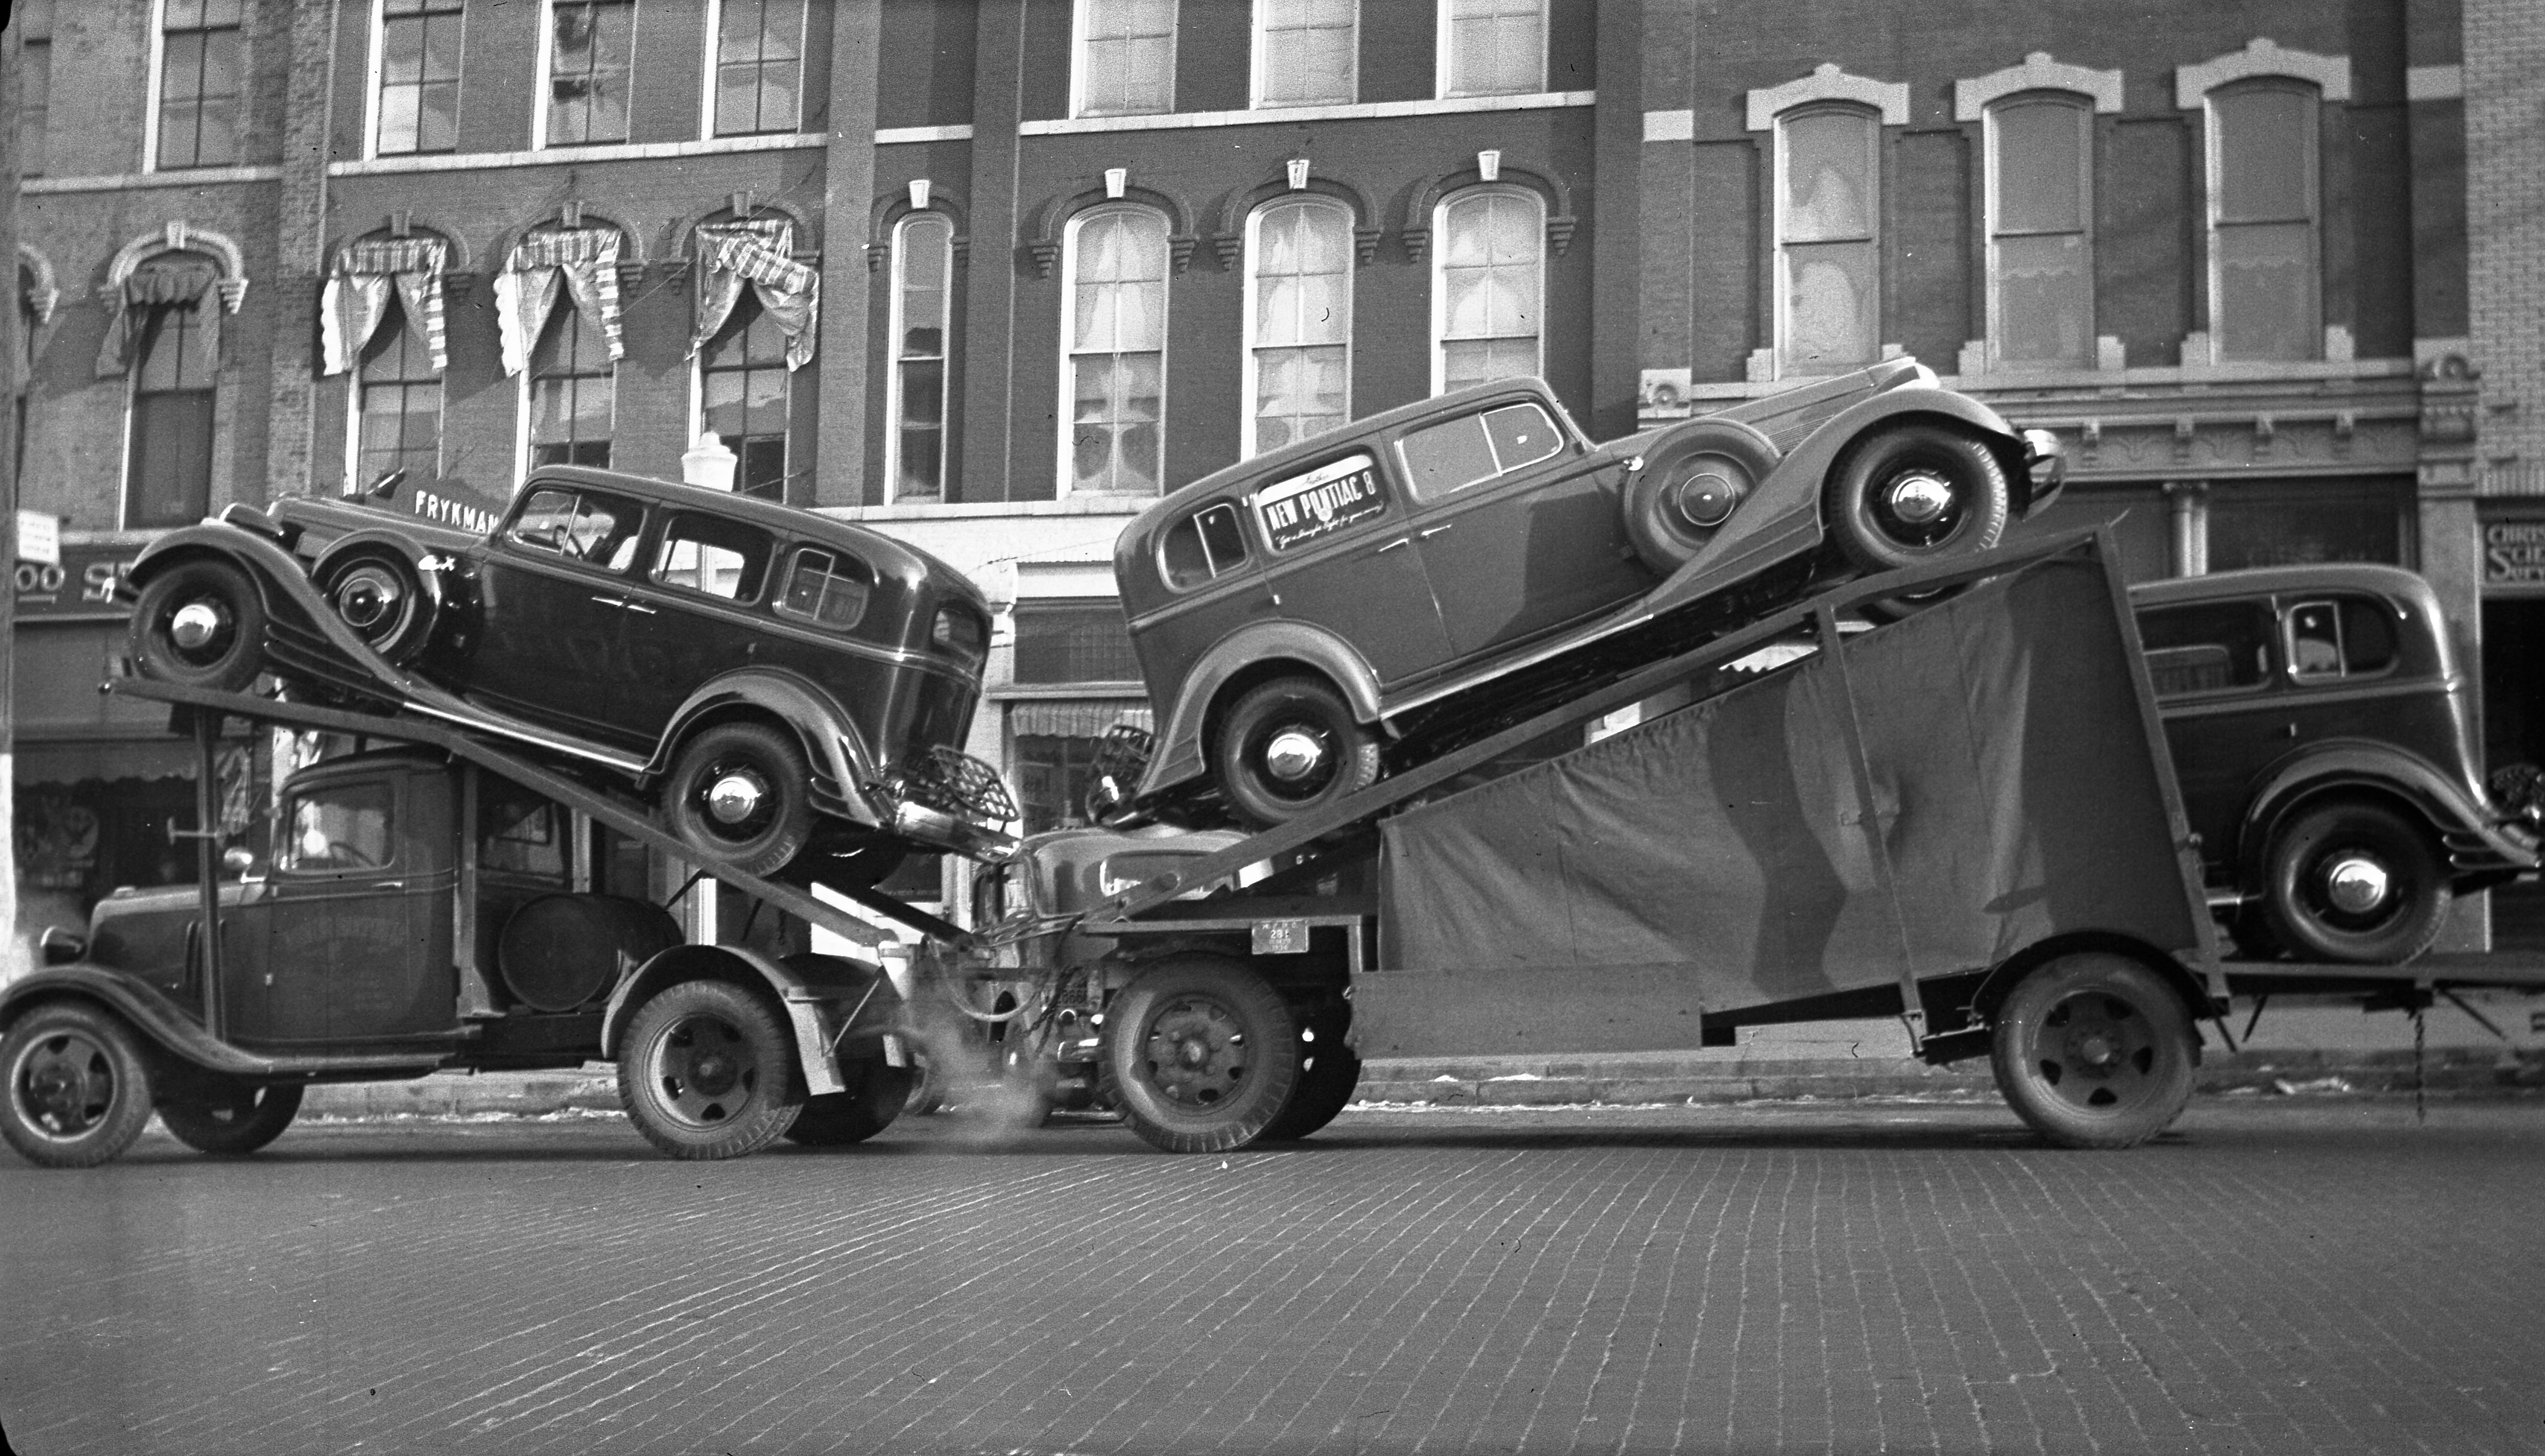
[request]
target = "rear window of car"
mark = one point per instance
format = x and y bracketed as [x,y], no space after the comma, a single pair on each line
[2206,647]
[831,588]
[1453,456]
[714,558]
[2344,638]
[1307,508]
[579,525]
[1211,542]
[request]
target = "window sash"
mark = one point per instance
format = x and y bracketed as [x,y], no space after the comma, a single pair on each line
[1299,280]
[419,86]
[744,396]
[572,394]
[2041,257]
[198,88]
[1126,58]
[1488,288]
[589,65]
[1829,265]
[759,66]
[922,324]
[1493,48]
[169,476]
[2266,271]
[397,407]
[1306,51]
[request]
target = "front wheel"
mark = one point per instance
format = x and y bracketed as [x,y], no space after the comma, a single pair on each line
[740,794]
[2353,882]
[707,1072]
[79,1090]
[2093,1051]
[236,1123]
[1199,1055]
[1289,748]
[199,623]
[1913,494]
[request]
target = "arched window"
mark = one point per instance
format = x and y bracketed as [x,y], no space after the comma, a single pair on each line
[1829,268]
[1488,287]
[1298,321]
[397,413]
[923,267]
[573,393]
[2041,239]
[2265,301]
[1114,393]
[743,397]
[168,475]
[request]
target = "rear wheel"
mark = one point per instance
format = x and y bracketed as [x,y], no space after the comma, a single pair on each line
[1328,1075]
[876,1095]
[78,1088]
[236,1122]
[381,594]
[741,794]
[1199,1055]
[1290,747]
[2353,882]
[199,623]
[707,1070]
[2094,1051]
[1914,494]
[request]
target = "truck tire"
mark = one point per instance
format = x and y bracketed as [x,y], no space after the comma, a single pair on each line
[873,1099]
[2094,1050]
[1907,495]
[1289,748]
[78,1086]
[1199,1055]
[709,1070]
[236,1122]
[2353,882]
[740,794]
[1328,1075]
[199,623]
[378,592]
[1690,485]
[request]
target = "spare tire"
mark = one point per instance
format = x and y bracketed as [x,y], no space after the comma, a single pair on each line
[377,589]
[562,951]
[1690,482]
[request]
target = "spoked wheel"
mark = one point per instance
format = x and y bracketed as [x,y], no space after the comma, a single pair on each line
[1290,747]
[707,1070]
[1914,494]
[1199,1055]
[382,597]
[199,623]
[876,1095]
[2094,1051]
[741,794]
[2353,882]
[236,1122]
[78,1089]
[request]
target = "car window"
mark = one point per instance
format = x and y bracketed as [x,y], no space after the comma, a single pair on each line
[2347,637]
[2368,637]
[832,588]
[713,556]
[1207,543]
[580,525]
[1457,454]
[335,829]
[2206,647]
[1310,507]
[517,831]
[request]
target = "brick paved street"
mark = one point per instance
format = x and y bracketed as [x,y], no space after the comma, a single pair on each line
[2284,1276]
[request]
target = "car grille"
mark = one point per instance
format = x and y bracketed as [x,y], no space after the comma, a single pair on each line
[952,782]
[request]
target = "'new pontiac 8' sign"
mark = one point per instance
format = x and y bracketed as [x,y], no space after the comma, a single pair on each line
[1326,499]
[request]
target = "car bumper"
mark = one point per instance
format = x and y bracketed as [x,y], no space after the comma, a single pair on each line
[937,828]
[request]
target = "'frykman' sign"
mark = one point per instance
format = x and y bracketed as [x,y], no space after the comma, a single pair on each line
[1326,499]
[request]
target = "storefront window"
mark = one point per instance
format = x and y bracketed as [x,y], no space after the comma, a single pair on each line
[2291,524]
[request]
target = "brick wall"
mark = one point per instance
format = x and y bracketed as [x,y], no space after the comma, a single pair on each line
[2504,118]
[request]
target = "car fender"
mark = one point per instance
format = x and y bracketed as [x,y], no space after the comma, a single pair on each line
[2353,764]
[828,1001]
[1179,752]
[170,1028]
[434,570]
[1819,453]
[844,763]
[302,635]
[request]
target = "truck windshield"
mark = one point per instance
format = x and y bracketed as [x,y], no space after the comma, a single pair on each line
[338,828]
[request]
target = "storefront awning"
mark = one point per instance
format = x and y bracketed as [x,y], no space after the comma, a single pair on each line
[1079,719]
[102,762]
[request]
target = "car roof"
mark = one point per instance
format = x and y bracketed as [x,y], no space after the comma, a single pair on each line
[2260,581]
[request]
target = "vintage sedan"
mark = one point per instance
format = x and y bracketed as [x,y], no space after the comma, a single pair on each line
[2326,743]
[775,680]
[1352,604]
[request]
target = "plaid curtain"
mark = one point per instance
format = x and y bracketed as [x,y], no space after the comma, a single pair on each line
[357,297]
[587,258]
[732,254]
[176,284]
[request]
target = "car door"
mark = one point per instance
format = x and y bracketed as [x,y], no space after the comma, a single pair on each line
[1519,529]
[1343,558]
[553,592]
[691,615]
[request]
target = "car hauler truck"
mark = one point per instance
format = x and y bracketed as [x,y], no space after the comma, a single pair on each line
[1964,818]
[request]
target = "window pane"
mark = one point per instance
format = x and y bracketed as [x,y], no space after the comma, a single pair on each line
[588,67]
[2301,525]
[2265,292]
[721,558]
[1829,177]
[572,394]
[1114,422]
[171,470]
[1489,282]
[831,590]
[1521,434]
[1496,47]
[1482,361]
[2210,647]
[2044,298]
[345,828]
[1831,320]
[1126,56]
[1446,457]
[1121,290]
[2040,167]
[2264,154]
[1299,393]
[1075,644]
[1308,50]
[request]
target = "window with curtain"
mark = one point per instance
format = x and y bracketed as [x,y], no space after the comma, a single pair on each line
[1299,324]
[169,472]
[760,66]
[1117,340]
[572,393]
[1126,58]
[419,102]
[199,84]
[1074,642]
[398,416]
[1306,51]
[1487,286]
[1054,775]
[2265,300]
[923,258]
[1493,48]
[589,49]
[742,397]
[1829,268]
[2041,253]
[35,19]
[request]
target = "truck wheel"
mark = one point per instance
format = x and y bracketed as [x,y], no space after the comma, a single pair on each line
[79,1091]
[381,594]
[1689,487]
[869,1107]
[1199,1055]
[2093,1051]
[709,1072]
[199,623]
[1913,494]
[741,794]
[1290,747]
[2353,882]
[236,1123]
[1327,1078]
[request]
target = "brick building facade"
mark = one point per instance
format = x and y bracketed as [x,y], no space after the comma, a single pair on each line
[1069,252]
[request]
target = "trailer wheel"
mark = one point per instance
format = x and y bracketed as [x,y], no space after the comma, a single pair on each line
[709,1070]
[79,1090]
[1289,748]
[2353,882]
[382,597]
[1914,494]
[2093,1051]
[199,623]
[1328,1075]
[236,1121]
[838,1119]
[740,794]
[1199,1055]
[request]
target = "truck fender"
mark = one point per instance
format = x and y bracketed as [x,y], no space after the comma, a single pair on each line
[844,764]
[826,998]
[2377,768]
[2000,981]
[1178,754]
[170,1028]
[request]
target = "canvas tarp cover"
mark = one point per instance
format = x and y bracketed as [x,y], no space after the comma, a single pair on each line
[1717,858]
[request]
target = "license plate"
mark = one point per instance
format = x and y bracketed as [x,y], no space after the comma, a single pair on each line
[1280,937]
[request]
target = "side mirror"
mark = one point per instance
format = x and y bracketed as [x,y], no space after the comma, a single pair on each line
[237,859]
[61,947]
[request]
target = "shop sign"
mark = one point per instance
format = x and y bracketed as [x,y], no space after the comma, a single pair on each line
[2514,553]
[40,538]
[81,584]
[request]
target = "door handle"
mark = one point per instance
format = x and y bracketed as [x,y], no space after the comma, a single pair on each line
[1392,545]
[633,605]
[390,885]
[1433,531]
[608,600]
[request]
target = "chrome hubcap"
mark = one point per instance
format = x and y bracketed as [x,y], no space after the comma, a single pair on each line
[1919,499]
[1707,498]
[734,798]
[1295,754]
[194,626]
[2357,884]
